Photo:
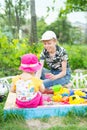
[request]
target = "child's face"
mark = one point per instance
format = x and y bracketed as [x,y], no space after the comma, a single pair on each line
[49,45]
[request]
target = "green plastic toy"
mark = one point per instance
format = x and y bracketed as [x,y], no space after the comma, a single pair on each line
[56,88]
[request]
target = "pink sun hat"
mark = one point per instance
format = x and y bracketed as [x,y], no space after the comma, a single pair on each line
[30,63]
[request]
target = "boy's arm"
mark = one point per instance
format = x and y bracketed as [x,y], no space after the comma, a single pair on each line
[38,73]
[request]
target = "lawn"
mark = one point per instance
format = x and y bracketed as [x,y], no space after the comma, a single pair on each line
[70,122]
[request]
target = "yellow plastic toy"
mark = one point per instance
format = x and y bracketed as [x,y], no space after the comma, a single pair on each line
[75,99]
[57,98]
[79,93]
[64,90]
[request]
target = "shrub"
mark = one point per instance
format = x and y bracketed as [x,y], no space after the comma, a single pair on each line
[77,56]
[11,52]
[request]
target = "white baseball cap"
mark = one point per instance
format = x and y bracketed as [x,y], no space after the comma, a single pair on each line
[48,35]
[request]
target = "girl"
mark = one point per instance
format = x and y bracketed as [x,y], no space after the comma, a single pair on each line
[27,86]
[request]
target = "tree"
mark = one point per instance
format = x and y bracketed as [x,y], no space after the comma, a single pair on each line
[33,29]
[41,26]
[14,15]
[74,5]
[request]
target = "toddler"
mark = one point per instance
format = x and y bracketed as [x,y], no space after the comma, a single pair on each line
[27,86]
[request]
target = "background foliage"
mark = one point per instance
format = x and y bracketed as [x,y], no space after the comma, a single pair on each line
[11,52]
[13,43]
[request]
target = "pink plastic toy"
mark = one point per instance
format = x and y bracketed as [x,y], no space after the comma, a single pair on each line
[46,98]
[47,75]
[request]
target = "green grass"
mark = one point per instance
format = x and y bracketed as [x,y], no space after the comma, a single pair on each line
[70,122]
[12,122]
[68,128]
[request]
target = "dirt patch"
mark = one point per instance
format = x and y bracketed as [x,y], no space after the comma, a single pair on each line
[44,123]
